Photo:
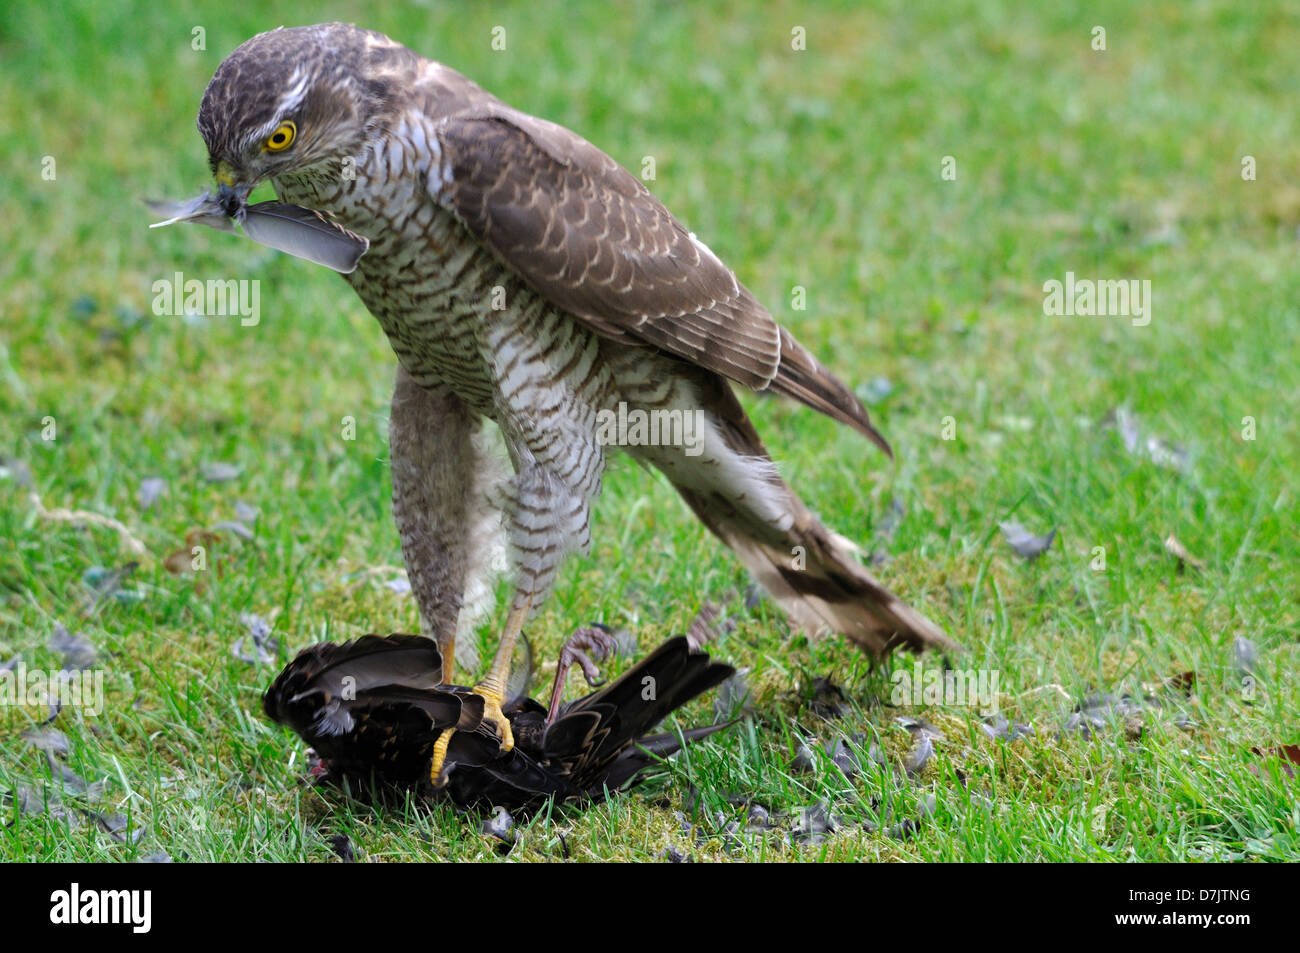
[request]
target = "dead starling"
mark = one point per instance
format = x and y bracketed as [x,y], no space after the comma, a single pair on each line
[374,708]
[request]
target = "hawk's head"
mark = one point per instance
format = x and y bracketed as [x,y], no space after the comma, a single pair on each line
[305,99]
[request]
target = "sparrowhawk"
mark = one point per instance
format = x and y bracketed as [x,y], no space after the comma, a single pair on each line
[522,276]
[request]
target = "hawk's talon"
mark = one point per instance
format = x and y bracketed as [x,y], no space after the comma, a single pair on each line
[492,712]
[437,777]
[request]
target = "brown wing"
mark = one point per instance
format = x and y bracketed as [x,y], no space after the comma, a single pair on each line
[585,233]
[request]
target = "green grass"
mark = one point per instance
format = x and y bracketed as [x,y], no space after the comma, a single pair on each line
[820,169]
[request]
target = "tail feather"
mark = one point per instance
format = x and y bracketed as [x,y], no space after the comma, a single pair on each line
[823,588]
[804,378]
[812,572]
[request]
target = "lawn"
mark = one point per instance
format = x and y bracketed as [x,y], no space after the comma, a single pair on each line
[898,193]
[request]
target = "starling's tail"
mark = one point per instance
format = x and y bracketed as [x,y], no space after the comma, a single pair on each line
[604,728]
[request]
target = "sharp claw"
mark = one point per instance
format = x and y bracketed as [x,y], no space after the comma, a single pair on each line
[492,712]
[437,768]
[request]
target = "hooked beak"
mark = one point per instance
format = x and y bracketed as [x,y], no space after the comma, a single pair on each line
[232,194]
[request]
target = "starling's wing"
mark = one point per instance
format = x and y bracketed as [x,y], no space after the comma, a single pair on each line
[586,234]
[513,780]
[636,758]
[318,690]
[370,661]
[479,773]
[305,233]
[372,707]
[387,733]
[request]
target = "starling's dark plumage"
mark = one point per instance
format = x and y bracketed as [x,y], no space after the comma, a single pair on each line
[373,710]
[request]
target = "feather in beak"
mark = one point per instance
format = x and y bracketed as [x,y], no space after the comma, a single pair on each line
[292,229]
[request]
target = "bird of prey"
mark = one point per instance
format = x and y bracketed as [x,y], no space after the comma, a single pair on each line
[374,710]
[522,276]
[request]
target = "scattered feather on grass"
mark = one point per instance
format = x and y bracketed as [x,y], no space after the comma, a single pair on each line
[812,825]
[45,738]
[106,584]
[1179,552]
[341,847]
[16,470]
[874,391]
[220,472]
[997,726]
[733,698]
[235,528]
[919,756]
[149,492]
[500,825]
[1149,446]
[118,827]
[804,760]
[828,700]
[77,651]
[1245,655]
[261,646]
[1025,543]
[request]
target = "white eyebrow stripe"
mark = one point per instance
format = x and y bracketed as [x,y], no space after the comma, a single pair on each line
[259,134]
[298,84]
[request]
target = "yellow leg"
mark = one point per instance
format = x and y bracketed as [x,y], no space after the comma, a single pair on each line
[493,686]
[493,690]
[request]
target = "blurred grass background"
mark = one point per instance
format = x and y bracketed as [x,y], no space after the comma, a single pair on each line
[817,168]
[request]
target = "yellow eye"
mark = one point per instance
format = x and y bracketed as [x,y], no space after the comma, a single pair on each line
[282,138]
